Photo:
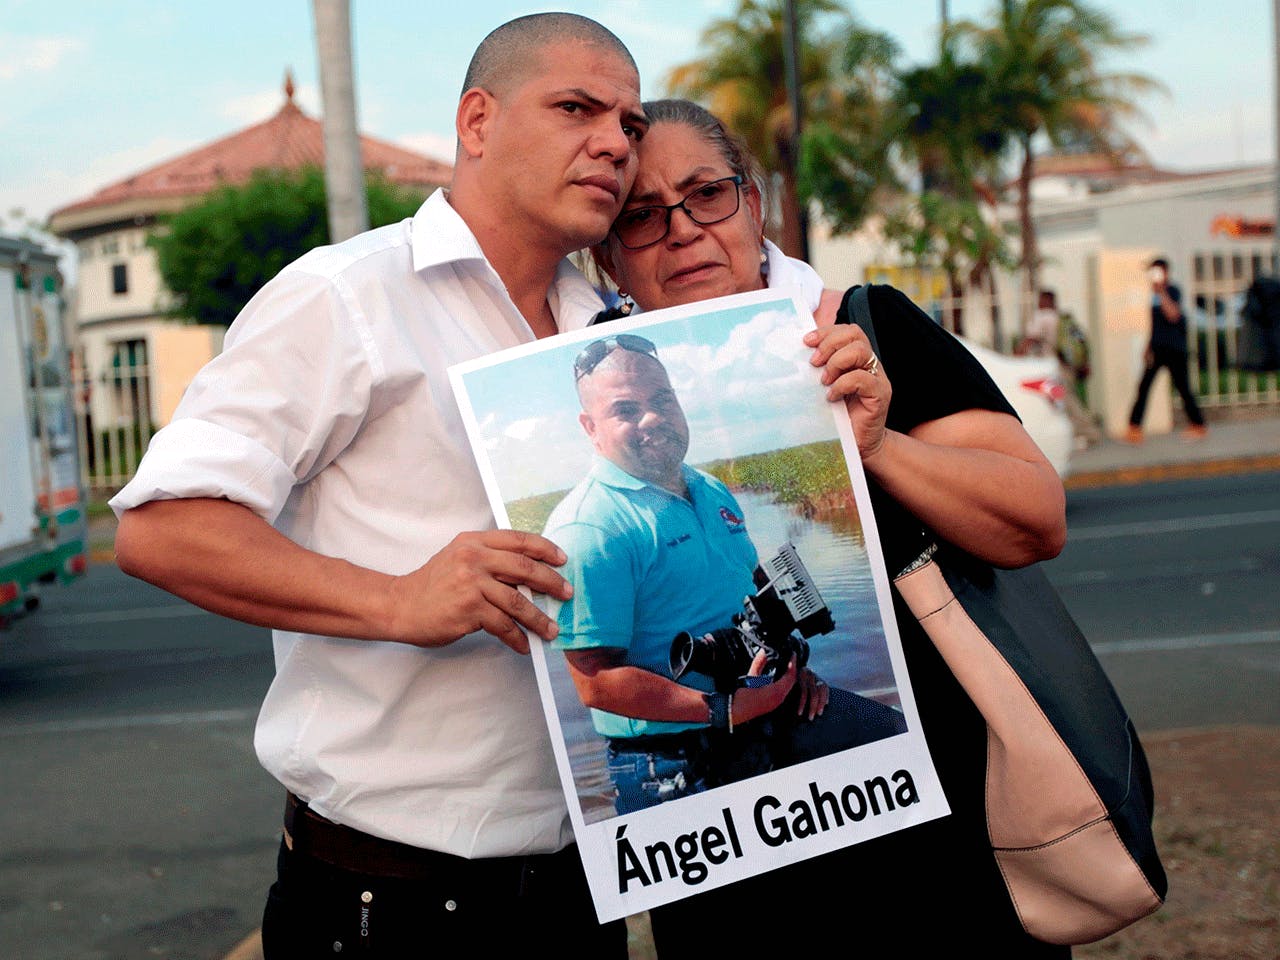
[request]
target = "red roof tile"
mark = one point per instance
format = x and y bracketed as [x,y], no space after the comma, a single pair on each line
[288,140]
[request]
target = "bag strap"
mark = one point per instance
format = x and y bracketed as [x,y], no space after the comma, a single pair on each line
[859,311]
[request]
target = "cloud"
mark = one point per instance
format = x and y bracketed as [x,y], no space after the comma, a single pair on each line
[262,104]
[432,144]
[20,55]
[56,186]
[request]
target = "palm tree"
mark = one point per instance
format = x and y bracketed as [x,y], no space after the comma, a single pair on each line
[944,124]
[741,78]
[1042,60]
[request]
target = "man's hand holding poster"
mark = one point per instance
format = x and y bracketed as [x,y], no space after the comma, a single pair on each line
[727,692]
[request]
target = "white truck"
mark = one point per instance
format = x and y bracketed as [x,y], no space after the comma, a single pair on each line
[42,501]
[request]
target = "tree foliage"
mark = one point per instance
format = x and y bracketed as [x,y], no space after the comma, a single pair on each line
[1043,64]
[742,79]
[216,254]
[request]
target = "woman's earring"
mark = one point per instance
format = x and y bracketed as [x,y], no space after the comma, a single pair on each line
[622,308]
[764,263]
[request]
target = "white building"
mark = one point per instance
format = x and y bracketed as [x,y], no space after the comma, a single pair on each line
[1098,226]
[138,360]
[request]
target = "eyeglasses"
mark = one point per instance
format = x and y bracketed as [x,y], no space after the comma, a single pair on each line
[710,203]
[597,350]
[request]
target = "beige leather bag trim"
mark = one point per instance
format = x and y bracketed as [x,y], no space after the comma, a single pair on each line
[1062,863]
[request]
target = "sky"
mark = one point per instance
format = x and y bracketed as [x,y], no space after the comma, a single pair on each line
[91,92]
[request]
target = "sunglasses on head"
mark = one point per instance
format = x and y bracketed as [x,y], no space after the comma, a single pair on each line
[597,350]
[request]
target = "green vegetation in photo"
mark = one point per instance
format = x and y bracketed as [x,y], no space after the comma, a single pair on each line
[530,514]
[812,478]
[809,477]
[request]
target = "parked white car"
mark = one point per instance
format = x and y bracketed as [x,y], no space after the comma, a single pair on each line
[1034,387]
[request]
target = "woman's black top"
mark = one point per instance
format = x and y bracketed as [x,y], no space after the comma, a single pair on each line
[932,890]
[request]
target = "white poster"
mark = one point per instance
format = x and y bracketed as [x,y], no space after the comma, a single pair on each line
[728,581]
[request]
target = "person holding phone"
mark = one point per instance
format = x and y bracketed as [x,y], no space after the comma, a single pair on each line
[1167,348]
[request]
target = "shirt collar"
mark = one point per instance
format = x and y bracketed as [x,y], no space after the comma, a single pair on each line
[610,474]
[574,301]
[441,236]
[787,271]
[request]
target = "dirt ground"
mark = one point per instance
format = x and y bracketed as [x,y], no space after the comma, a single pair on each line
[1218,831]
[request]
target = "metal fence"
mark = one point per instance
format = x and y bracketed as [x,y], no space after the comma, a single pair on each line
[116,420]
[1212,302]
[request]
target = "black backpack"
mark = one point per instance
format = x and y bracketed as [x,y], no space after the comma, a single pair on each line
[1260,326]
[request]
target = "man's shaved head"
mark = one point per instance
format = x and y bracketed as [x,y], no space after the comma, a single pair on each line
[634,418]
[507,55]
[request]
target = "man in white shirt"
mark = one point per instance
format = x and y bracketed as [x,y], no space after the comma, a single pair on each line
[316,479]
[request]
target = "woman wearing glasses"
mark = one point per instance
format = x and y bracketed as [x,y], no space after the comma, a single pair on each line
[945,457]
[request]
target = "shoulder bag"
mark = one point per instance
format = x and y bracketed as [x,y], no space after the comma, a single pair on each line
[1068,789]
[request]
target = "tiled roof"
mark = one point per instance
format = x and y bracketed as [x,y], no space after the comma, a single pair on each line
[1096,166]
[288,140]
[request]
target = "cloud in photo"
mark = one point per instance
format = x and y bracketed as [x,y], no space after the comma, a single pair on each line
[742,375]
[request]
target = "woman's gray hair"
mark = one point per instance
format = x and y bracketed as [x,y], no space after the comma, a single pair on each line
[731,147]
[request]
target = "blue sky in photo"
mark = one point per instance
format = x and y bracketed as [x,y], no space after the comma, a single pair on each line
[742,375]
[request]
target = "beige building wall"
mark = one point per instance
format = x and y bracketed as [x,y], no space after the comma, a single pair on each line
[180,352]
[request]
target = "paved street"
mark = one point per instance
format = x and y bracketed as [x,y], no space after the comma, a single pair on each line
[137,822]
[1175,585]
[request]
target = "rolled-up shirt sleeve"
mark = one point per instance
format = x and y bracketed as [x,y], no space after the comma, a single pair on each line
[289,391]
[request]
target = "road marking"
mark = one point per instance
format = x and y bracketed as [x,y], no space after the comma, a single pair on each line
[120,661]
[117,616]
[1194,641]
[1179,525]
[91,724]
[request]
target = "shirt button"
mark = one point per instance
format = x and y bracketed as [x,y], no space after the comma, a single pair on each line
[337,946]
[366,897]
[451,905]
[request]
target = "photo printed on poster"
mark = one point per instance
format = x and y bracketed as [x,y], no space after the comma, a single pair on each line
[727,692]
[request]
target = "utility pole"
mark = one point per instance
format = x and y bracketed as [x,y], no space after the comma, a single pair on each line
[791,57]
[343,170]
[1275,116]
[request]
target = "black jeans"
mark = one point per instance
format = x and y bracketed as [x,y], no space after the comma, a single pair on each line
[315,910]
[1176,361]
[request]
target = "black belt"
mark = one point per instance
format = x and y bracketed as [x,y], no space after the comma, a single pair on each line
[665,744]
[311,835]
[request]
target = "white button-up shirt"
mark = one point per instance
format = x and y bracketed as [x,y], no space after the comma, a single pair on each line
[330,415]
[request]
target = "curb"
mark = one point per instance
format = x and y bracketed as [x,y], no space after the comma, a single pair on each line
[1119,476]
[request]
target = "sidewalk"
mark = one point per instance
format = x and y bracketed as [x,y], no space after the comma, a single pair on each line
[1232,446]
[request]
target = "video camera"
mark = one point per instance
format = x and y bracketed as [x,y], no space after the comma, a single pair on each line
[785,603]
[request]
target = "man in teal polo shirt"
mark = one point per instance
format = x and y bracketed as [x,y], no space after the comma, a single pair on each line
[654,548]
